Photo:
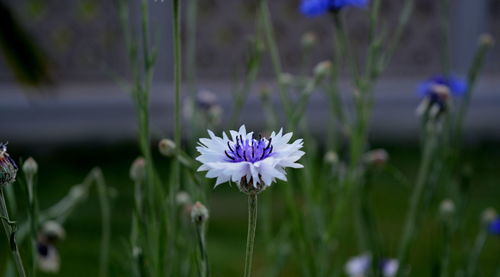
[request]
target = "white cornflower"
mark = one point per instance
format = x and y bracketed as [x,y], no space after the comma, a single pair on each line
[252,163]
[359,266]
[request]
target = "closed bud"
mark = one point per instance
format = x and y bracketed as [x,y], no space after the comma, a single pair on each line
[138,170]
[182,198]
[52,231]
[206,99]
[488,215]
[166,147]
[77,192]
[308,39]
[286,79]
[199,213]
[265,92]
[30,167]
[376,157]
[322,69]
[215,114]
[331,157]
[486,40]
[447,208]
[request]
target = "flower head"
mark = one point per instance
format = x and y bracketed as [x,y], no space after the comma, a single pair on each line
[318,7]
[437,92]
[358,266]
[8,168]
[455,86]
[494,227]
[252,163]
[47,255]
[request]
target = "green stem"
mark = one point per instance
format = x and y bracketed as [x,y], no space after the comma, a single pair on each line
[105,222]
[252,224]
[411,219]
[476,252]
[176,7]
[33,218]
[203,263]
[10,234]
[445,31]
[275,57]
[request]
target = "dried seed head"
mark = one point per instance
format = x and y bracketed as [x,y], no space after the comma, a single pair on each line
[199,213]
[167,147]
[30,167]
[8,168]
[138,170]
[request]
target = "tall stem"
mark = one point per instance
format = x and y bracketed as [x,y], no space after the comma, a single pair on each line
[252,224]
[105,222]
[411,219]
[177,84]
[275,57]
[203,262]
[4,213]
[476,252]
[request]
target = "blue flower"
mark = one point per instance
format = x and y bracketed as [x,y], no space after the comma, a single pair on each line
[456,86]
[318,7]
[494,227]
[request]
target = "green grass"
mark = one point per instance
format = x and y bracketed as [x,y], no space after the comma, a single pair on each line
[63,167]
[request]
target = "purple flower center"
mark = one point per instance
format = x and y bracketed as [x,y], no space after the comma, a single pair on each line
[248,150]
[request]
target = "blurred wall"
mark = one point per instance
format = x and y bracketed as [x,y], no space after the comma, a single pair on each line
[83,38]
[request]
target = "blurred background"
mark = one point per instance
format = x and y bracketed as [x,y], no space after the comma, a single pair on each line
[60,102]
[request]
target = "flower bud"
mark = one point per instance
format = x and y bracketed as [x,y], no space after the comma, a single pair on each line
[486,40]
[199,213]
[308,39]
[286,79]
[265,92]
[138,170]
[167,147]
[215,114]
[489,215]
[376,157]
[48,260]
[182,198]
[447,208]
[205,99]
[322,69]
[30,167]
[331,157]
[52,231]
[8,168]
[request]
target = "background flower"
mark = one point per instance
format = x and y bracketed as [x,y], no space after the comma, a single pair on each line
[318,7]
[456,86]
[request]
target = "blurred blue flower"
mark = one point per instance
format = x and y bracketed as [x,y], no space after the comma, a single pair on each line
[318,7]
[456,86]
[494,227]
